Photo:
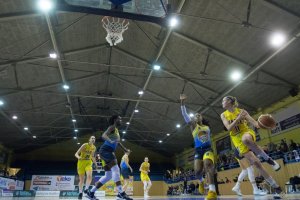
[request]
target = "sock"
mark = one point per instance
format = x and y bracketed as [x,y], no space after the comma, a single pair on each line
[254,185]
[272,182]
[94,189]
[87,186]
[242,175]
[251,177]
[119,188]
[238,184]
[212,187]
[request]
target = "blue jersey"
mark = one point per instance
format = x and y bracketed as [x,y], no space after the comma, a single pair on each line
[201,135]
[123,165]
[113,136]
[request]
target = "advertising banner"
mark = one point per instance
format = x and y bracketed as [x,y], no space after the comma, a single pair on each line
[11,184]
[52,183]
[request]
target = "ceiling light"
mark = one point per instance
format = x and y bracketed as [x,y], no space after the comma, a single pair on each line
[66,87]
[76,130]
[191,115]
[75,138]
[141,92]
[53,55]
[136,110]
[73,120]
[123,140]
[78,142]
[236,76]
[124,132]
[277,39]
[127,123]
[1,103]
[34,136]
[160,141]
[156,67]
[15,117]
[168,134]
[173,21]
[45,5]
[178,126]
[26,128]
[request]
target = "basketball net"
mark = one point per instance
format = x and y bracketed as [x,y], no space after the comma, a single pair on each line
[114,27]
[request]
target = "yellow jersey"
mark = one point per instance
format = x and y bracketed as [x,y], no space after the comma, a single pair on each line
[87,152]
[145,166]
[241,126]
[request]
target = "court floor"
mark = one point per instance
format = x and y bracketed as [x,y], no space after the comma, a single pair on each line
[228,197]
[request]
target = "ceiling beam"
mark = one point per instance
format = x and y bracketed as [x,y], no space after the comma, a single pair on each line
[53,84]
[226,55]
[46,57]
[277,7]
[202,87]
[256,68]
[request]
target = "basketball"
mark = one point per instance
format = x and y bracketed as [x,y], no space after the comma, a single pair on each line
[266,121]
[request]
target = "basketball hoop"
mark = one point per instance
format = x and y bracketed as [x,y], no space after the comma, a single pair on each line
[114,27]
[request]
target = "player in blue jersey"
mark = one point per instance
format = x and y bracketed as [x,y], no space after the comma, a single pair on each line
[204,157]
[126,170]
[107,153]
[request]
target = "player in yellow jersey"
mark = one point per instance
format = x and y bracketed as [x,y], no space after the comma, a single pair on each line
[247,169]
[204,157]
[145,169]
[243,138]
[86,158]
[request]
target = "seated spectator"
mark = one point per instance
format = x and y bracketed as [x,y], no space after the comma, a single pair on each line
[227,180]
[192,188]
[294,181]
[293,146]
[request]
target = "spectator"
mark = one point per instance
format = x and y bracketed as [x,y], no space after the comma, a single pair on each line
[283,146]
[293,146]
[294,181]
[227,180]
[192,188]
[185,185]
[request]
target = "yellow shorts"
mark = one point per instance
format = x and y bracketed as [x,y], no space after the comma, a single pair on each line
[209,155]
[144,177]
[238,143]
[84,166]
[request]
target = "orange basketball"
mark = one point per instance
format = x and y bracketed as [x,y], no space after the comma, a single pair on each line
[266,121]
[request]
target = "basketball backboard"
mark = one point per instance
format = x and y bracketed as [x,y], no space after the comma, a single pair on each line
[143,10]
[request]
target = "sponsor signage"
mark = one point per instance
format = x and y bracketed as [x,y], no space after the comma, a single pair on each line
[73,193]
[47,193]
[24,193]
[7,193]
[11,184]
[287,118]
[52,183]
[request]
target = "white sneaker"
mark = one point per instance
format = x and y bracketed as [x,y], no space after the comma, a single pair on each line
[274,164]
[276,167]
[146,196]
[260,192]
[237,191]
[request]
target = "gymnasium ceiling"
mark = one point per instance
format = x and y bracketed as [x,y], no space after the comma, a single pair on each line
[197,58]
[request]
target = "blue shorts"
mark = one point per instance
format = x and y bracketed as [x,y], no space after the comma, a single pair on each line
[107,154]
[125,172]
[200,151]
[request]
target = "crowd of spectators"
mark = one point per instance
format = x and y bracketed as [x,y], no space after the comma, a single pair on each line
[288,152]
[184,189]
